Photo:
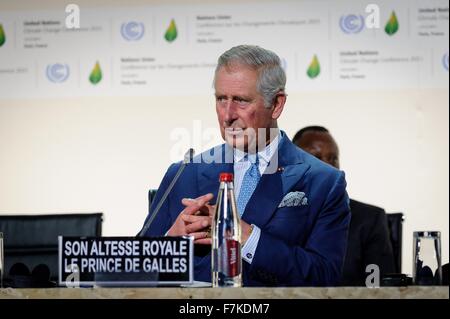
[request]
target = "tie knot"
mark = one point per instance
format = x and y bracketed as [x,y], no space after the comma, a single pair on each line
[253,159]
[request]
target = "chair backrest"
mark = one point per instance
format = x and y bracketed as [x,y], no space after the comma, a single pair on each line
[395,226]
[151,197]
[33,239]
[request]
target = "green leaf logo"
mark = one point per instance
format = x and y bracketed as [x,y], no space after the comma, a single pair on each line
[171,33]
[314,68]
[392,25]
[96,74]
[2,35]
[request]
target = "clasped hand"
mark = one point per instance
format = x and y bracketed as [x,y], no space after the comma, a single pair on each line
[195,220]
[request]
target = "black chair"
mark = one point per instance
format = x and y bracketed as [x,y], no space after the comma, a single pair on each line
[33,239]
[151,197]
[395,226]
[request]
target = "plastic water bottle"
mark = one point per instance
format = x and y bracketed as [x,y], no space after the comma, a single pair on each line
[226,262]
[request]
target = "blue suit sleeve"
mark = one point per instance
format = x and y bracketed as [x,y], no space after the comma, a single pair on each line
[317,263]
[163,220]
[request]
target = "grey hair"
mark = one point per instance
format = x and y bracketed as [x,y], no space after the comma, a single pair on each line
[271,76]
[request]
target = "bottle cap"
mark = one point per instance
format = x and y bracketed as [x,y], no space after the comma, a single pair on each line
[226,177]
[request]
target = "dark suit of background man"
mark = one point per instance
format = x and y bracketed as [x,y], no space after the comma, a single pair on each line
[295,215]
[368,241]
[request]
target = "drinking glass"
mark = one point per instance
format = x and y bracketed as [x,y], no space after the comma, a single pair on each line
[427,268]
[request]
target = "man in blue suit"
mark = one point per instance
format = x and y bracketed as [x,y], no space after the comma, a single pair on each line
[295,212]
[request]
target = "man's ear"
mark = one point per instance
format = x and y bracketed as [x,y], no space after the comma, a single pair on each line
[278,105]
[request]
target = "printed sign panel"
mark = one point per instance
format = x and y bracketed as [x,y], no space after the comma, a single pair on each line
[125,261]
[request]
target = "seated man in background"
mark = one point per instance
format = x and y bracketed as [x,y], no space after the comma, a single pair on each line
[368,241]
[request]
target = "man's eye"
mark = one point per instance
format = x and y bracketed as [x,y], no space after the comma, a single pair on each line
[241,101]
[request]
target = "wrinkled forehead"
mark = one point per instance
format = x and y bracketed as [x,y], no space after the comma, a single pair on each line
[236,77]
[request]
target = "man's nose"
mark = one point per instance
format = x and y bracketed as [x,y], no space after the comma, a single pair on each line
[230,113]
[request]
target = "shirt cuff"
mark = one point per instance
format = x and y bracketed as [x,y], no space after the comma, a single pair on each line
[249,248]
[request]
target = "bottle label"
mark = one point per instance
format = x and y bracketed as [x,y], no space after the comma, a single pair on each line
[234,256]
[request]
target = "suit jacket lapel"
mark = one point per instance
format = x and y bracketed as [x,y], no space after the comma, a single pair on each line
[265,199]
[291,175]
[208,175]
[273,187]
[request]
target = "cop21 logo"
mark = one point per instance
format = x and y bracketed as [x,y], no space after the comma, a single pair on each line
[132,31]
[57,72]
[445,61]
[352,23]
[355,23]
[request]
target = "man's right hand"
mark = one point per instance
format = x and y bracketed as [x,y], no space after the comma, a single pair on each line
[195,209]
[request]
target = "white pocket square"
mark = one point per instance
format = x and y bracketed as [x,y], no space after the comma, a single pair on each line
[294,199]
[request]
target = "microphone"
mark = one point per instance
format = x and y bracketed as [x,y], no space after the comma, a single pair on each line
[187,159]
[19,269]
[19,276]
[445,274]
[41,273]
[425,276]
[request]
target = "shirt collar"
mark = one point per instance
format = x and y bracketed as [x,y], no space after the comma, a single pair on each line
[264,155]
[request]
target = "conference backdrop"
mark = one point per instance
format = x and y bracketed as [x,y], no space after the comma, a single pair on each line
[98,98]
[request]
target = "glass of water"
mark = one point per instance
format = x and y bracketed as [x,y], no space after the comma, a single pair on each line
[427,258]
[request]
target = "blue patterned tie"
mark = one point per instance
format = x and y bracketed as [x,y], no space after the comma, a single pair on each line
[249,182]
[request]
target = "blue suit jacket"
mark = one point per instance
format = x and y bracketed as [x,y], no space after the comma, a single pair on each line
[299,246]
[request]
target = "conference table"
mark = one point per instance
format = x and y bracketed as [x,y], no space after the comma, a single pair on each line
[411,292]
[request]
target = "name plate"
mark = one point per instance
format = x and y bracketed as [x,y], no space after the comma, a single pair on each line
[125,261]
